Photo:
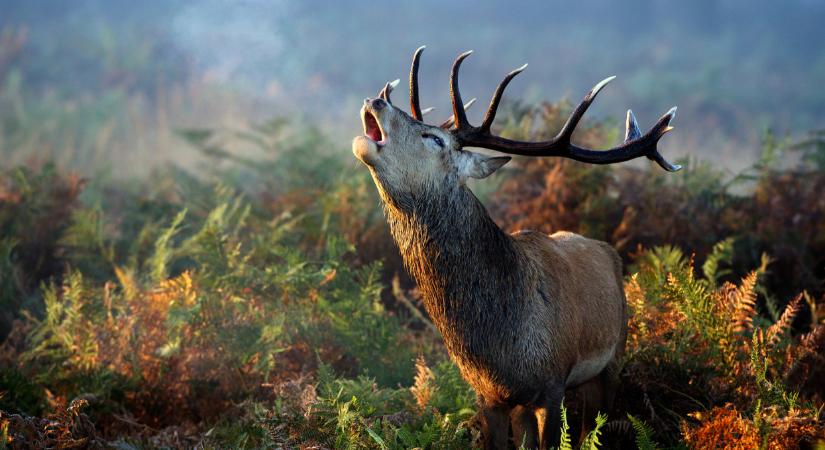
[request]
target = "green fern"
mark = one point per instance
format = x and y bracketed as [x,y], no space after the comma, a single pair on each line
[64,336]
[158,270]
[591,441]
[697,304]
[565,442]
[644,434]
[769,392]
[382,444]
[657,263]
[722,254]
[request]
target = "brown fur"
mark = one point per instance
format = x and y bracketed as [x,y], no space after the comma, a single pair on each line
[524,316]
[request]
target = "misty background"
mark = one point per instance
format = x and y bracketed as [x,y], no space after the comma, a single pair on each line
[111,81]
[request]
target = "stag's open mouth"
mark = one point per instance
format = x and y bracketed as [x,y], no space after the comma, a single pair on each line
[372,128]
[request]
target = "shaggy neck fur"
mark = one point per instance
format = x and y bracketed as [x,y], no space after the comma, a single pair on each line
[467,268]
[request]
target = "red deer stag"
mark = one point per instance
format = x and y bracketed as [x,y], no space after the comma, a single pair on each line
[525,316]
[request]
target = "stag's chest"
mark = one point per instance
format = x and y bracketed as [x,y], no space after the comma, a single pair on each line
[490,355]
[499,381]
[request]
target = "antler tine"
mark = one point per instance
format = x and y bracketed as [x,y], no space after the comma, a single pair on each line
[491,110]
[663,126]
[449,122]
[632,130]
[415,105]
[387,90]
[385,93]
[573,121]
[460,117]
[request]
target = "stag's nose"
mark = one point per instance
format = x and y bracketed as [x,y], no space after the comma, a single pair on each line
[376,104]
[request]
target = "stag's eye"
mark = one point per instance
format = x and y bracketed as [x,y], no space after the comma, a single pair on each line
[435,139]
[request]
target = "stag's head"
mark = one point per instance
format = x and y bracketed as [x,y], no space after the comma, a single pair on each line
[405,153]
[402,149]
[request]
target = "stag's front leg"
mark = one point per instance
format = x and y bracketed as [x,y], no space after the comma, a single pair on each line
[523,423]
[495,422]
[548,416]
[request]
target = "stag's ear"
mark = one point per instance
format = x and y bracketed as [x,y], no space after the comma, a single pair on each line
[476,165]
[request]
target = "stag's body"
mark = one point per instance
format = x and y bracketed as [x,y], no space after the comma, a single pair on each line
[524,316]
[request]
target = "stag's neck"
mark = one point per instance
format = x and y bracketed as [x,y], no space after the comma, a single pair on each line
[466,267]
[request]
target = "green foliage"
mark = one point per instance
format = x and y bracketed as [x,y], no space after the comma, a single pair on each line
[591,441]
[160,259]
[377,341]
[19,394]
[201,308]
[11,286]
[721,255]
[768,393]
[228,296]
[451,394]
[654,267]
[706,337]
[85,242]
[565,442]
[35,208]
[357,413]
[63,336]
[243,432]
[644,434]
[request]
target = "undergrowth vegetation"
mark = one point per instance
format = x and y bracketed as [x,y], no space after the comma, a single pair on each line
[258,302]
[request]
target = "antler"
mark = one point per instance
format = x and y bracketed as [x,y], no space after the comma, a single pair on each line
[415,106]
[415,102]
[451,121]
[634,146]
[387,90]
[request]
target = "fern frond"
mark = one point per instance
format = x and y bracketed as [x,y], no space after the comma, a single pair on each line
[812,307]
[758,357]
[743,306]
[698,305]
[810,342]
[778,329]
[565,443]
[808,354]
[591,441]
[722,253]
[635,294]
[660,261]
[163,254]
[644,434]
[422,388]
